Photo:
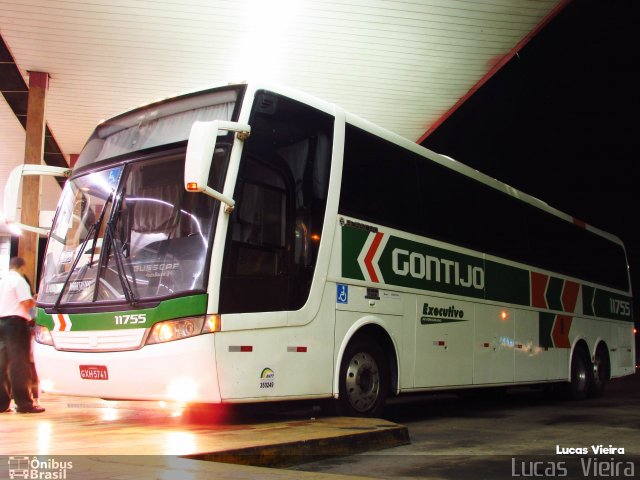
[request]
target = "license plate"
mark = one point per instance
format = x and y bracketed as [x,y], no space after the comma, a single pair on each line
[94,372]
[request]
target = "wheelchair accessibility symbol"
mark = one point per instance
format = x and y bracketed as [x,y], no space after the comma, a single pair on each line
[342,295]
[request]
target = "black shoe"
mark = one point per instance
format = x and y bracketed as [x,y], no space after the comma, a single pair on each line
[31,409]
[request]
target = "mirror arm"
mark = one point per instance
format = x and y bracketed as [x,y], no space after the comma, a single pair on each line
[228,201]
[200,151]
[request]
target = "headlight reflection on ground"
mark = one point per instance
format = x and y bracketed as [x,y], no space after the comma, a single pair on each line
[44,437]
[176,409]
[179,443]
[110,414]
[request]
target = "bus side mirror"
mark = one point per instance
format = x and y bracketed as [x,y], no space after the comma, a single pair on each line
[200,149]
[12,189]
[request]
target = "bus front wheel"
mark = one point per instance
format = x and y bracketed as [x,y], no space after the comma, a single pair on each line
[364,379]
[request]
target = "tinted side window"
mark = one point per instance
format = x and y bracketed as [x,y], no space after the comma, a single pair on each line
[563,247]
[386,184]
[379,182]
[466,212]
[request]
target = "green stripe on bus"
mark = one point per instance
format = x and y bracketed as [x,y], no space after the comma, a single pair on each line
[587,299]
[411,264]
[506,284]
[353,240]
[554,293]
[545,326]
[601,303]
[612,305]
[193,305]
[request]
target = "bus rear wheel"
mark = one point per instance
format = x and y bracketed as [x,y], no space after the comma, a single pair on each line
[600,373]
[579,385]
[364,379]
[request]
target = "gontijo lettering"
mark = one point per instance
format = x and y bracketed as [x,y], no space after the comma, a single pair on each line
[436,269]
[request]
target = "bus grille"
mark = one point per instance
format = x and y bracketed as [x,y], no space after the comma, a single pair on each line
[99,340]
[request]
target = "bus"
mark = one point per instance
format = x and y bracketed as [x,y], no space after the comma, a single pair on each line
[251,243]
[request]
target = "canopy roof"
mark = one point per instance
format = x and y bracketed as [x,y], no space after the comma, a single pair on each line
[401,64]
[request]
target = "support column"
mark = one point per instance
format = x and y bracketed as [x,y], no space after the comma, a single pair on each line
[33,154]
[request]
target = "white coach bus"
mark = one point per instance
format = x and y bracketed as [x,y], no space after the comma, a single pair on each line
[250,244]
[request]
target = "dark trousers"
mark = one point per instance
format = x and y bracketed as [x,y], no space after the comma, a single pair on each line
[15,365]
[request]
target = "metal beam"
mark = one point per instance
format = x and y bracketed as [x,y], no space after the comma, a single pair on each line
[33,154]
[16,93]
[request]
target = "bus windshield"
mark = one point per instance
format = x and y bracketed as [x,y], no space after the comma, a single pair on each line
[130,233]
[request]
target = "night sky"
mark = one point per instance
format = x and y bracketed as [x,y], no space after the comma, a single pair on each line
[560,120]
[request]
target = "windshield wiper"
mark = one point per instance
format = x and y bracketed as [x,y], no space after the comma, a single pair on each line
[124,280]
[92,229]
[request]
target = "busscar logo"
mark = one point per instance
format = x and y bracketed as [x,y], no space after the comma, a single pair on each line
[157,269]
[37,468]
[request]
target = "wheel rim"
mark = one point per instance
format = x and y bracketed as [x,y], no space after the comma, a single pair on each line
[599,374]
[362,382]
[580,376]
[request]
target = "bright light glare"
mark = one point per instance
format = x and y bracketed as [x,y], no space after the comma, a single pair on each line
[167,332]
[178,443]
[265,43]
[14,229]
[213,323]
[109,414]
[182,390]
[44,437]
[178,409]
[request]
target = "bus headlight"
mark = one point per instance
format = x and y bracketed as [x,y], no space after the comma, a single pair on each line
[171,330]
[43,335]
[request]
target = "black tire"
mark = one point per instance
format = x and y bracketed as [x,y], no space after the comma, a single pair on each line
[599,373]
[578,387]
[364,379]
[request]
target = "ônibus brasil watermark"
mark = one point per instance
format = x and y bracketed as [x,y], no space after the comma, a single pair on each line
[38,468]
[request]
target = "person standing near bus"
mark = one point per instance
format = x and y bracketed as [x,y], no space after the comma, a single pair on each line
[35,382]
[15,340]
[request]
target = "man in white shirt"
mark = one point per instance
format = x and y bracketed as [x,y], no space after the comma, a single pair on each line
[15,340]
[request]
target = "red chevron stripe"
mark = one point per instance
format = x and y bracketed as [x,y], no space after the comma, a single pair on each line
[538,288]
[368,259]
[63,324]
[570,295]
[560,332]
